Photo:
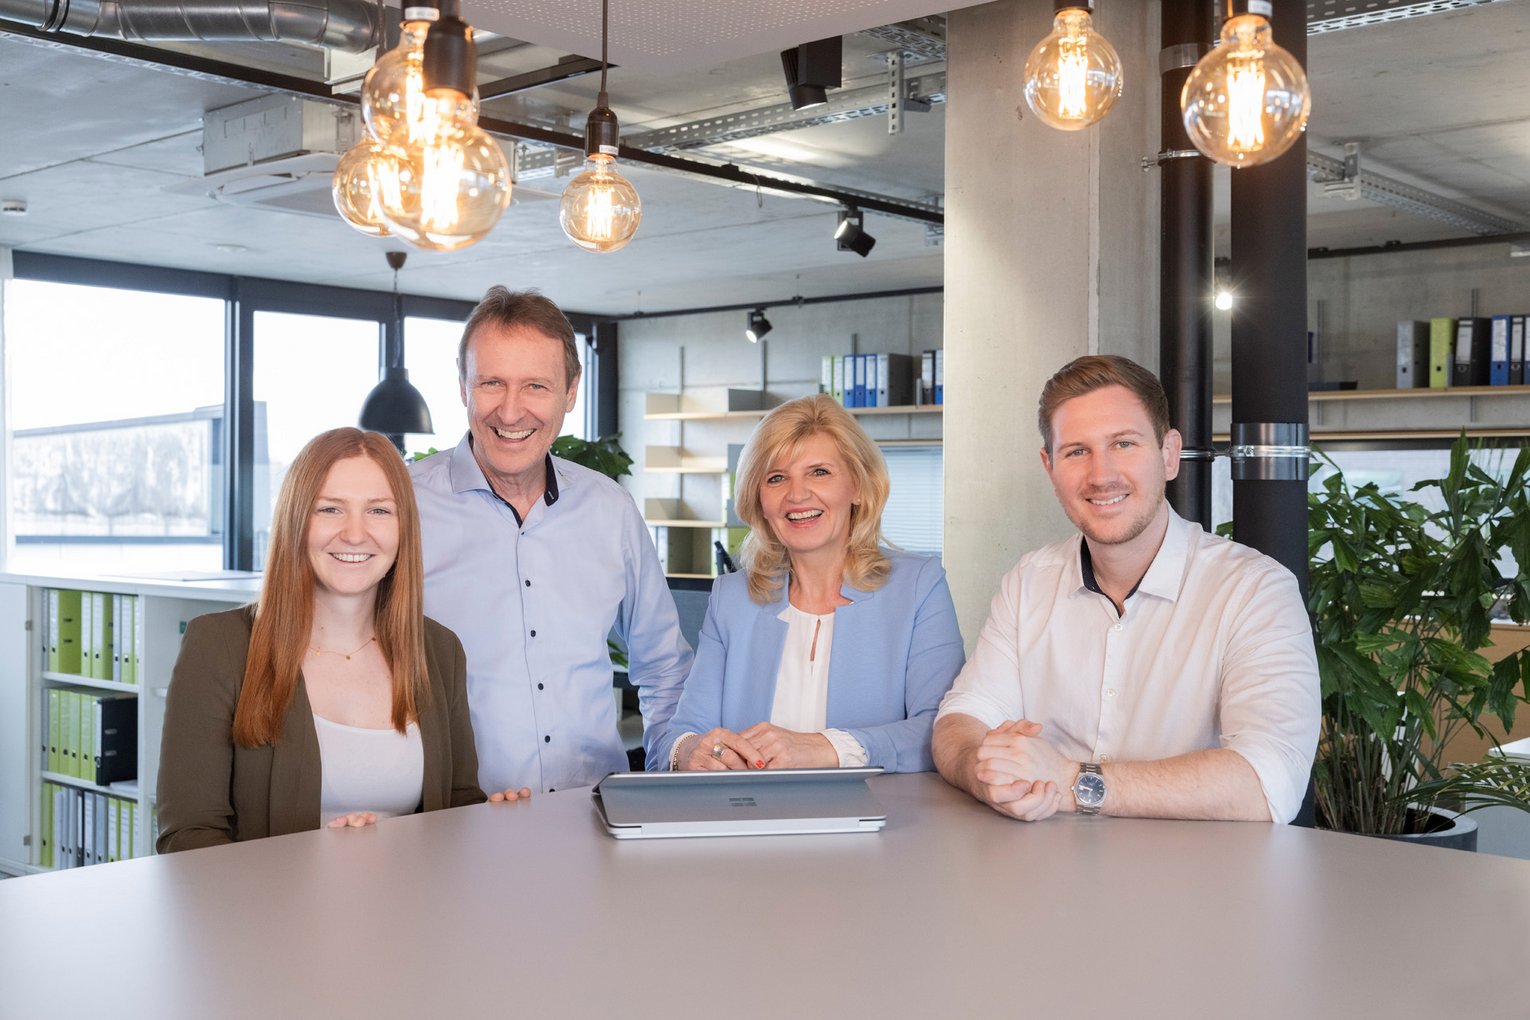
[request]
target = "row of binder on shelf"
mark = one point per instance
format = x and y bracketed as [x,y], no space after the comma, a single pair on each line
[94,634]
[90,735]
[884,380]
[81,827]
[1473,351]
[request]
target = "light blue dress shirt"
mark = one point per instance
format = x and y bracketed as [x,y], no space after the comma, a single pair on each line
[533,604]
[895,652]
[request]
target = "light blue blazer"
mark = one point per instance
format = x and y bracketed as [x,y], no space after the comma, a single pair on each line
[896,651]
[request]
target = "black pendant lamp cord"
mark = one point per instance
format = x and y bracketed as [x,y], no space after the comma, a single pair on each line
[605,31]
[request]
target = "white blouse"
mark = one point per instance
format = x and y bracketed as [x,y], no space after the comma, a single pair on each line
[382,771]
[802,682]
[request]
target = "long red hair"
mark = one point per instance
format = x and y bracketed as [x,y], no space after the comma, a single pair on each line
[284,612]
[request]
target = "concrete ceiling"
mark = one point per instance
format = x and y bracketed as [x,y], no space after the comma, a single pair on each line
[106,153]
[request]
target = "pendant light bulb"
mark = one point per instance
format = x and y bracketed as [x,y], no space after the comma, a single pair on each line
[447,192]
[1247,101]
[600,209]
[356,192]
[1073,76]
[393,104]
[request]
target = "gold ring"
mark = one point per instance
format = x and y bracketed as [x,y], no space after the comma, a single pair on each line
[717,751]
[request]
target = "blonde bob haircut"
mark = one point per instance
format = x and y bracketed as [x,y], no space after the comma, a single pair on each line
[284,613]
[777,439]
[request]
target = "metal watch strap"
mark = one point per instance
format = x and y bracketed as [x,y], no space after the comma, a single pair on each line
[1091,769]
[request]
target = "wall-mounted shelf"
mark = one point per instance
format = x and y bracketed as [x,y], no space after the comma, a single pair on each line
[677,460]
[673,407]
[1320,396]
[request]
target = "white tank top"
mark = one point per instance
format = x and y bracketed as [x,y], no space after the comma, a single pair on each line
[382,771]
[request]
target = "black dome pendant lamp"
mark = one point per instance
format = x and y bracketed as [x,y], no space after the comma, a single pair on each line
[394,407]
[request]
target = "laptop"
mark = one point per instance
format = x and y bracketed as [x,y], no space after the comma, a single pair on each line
[774,802]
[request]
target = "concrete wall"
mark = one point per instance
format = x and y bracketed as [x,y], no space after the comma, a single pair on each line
[1051,253]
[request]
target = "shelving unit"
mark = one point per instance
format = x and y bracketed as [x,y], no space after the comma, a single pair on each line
[166,607]
[1485,412]
[684,538]
[1421,393]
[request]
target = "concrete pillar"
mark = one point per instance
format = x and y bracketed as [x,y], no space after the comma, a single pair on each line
[1051,253]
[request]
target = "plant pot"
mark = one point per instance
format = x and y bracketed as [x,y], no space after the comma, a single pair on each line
[1451,831]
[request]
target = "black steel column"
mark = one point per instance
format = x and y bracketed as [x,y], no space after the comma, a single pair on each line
[1269,339]
[1185,262]
[239,433]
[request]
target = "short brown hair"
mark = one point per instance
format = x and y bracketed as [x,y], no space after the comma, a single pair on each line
[280,635]
[1095,372]
[506,308]
[779,434]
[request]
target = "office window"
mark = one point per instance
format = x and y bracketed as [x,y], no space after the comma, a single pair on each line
[915,517]
[312,373]
[115,414]
[430,355]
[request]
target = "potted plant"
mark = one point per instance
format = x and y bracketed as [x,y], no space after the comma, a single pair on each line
[1402,597]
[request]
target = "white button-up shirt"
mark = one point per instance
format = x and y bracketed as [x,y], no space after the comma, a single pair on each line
[1214,649]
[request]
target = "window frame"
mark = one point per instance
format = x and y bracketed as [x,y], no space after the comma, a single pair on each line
[243,296]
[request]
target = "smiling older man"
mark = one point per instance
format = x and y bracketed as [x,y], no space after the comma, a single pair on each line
[1142,667]
[533,561]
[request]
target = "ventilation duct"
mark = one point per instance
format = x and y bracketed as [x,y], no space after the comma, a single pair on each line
[353,26]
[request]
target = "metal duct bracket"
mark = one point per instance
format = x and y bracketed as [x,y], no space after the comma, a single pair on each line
[1270,451]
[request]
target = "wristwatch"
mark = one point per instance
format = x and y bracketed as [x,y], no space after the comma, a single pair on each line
[1089,789]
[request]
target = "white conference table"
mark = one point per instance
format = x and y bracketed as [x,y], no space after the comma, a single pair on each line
[530,909]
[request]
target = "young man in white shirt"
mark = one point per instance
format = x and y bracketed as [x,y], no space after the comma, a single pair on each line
[1143,667]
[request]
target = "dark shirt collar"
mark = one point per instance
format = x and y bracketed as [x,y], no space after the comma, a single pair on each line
[549,496]
[1086,564]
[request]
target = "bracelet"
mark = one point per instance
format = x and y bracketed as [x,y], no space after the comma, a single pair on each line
[674,752]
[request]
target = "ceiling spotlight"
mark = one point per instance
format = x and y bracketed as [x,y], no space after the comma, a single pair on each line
[810,69]
[758,326]
[850,235]
[1247,101]
[1073,76]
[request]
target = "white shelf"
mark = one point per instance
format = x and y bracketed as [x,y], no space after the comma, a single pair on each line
[703,414]
[676,460]
[85,784]
[680,522]
[164,606]
[86,681]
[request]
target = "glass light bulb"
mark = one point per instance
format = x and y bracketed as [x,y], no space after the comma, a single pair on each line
[1247,101]
[446,193]
[394,107]
[355,190]
[600,209]
[1073,76]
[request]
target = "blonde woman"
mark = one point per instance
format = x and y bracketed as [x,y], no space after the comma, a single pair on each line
[333,700]
[828,649]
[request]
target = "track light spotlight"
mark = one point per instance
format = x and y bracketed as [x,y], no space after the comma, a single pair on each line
[810,69]
[758,326]
[851,235]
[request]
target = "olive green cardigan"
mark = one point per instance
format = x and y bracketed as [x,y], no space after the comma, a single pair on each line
[212,792]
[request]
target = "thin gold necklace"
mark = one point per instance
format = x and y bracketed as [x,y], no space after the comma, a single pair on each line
[322,651]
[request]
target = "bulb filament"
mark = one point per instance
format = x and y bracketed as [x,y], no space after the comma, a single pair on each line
[1072,76]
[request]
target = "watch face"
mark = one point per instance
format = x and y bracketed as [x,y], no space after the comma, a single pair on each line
[1090,789]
